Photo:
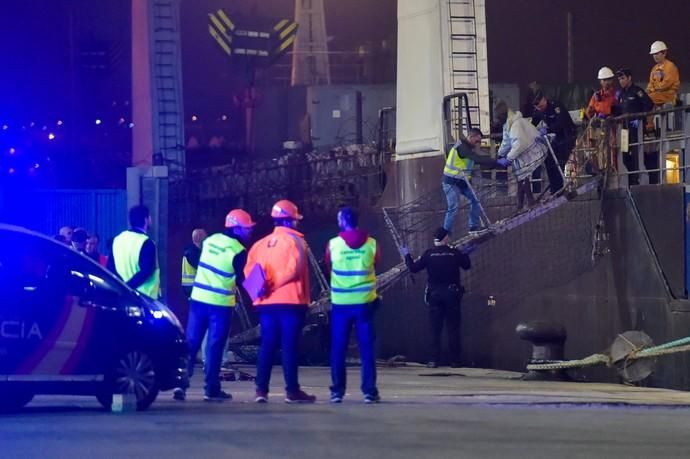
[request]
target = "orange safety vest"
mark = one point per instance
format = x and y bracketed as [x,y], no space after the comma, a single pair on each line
[601,103]
[285,262]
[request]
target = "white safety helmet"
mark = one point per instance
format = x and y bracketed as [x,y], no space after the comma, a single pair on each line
[605,73]
[657,46]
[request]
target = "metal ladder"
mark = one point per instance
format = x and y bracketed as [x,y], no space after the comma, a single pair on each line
[467,58]
[167,86]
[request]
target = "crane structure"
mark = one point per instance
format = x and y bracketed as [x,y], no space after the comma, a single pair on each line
[310,63]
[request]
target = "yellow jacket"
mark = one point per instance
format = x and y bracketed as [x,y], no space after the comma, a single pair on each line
[664,81]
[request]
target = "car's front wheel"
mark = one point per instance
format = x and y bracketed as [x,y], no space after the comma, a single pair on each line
[132,373]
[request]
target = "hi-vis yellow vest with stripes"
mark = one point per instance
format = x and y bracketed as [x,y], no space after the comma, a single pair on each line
[457,167]
[215,277]
[126,248]
[188,273]
[353,277]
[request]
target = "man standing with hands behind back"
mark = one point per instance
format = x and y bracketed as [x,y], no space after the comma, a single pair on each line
[664,79]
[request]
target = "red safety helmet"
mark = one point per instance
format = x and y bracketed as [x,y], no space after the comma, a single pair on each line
[286,209]
[238,217]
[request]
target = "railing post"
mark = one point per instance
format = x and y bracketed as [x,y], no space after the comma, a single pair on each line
[685,154]
[639,151]
[622,180]
[663,146]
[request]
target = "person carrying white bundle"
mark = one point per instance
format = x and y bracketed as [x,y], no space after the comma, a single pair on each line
[523,147]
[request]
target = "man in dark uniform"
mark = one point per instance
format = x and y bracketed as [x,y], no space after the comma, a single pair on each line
[632,99]
[558,122]
[443,293]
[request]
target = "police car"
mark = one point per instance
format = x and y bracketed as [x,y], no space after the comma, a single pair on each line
[68,326]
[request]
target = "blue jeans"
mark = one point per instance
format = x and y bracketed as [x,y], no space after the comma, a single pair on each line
[215,319]
[280,325]
[226,354]
[453,193]
[342,320]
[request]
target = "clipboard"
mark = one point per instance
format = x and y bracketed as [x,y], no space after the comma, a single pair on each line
[255,282]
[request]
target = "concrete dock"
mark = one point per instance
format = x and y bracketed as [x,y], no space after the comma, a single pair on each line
[424,412]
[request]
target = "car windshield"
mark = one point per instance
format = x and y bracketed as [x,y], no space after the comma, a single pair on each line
[44,262]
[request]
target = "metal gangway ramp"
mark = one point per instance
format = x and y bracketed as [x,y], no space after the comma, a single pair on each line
[457,121]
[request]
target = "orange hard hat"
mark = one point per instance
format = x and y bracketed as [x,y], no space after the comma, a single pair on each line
[285,209]
[238,217]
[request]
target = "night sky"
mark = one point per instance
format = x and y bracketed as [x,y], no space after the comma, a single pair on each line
[526,40]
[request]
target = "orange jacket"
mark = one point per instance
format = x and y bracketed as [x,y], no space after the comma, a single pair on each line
[284,259]
[601,103]
[664,82]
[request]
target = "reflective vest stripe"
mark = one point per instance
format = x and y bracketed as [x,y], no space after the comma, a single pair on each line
[351,273]
[216,270]
[213,289]
[354,289]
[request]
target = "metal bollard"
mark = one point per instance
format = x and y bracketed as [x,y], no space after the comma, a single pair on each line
[548,341]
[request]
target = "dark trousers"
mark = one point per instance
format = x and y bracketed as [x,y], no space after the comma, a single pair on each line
[215,319]
[553,171]
[280,326]
[651,161]
[444,306]
[630,159]
[562,150]
[342,320]
[524,192]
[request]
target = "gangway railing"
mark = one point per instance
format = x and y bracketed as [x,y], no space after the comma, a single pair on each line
[457,120]
[667,143]
[391,276]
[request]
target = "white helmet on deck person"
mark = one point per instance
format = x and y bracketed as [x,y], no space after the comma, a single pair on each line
[657,46]
[605,73]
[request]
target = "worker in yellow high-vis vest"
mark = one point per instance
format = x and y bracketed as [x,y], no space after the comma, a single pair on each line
[457,172]
[214,296]
[190,260]
[133,255]
[351,258]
